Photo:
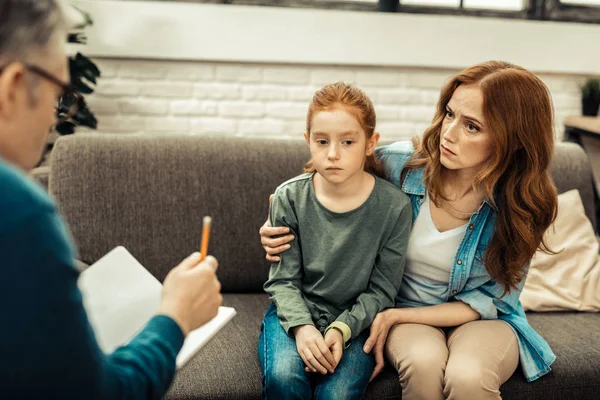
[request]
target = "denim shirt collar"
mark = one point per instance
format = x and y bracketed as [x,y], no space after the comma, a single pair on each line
[414,183]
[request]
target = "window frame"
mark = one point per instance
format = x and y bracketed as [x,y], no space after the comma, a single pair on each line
[542,10]
[556,10]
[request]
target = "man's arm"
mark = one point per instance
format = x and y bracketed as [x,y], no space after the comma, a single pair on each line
[48,345]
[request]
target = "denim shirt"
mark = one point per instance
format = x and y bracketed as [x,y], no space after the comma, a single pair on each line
[469,279]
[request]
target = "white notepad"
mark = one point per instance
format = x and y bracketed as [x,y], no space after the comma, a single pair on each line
[120,296]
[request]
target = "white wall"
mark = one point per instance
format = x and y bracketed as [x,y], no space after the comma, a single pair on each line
[198,68]
[267,99]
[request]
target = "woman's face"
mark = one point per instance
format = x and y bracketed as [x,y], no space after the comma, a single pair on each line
[465,142]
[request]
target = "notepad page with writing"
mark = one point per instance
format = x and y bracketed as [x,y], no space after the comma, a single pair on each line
[120,296]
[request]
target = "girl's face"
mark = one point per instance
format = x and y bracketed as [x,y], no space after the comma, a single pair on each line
[465,142]
[338,145]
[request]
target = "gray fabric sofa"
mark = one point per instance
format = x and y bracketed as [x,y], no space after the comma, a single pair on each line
[149,194]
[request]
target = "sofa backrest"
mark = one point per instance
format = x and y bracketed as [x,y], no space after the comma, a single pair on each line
[571,169]
[150,194]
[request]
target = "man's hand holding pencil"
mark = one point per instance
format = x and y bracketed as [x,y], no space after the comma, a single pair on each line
[191,291]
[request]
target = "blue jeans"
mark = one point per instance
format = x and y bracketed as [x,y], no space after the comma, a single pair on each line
[283,369]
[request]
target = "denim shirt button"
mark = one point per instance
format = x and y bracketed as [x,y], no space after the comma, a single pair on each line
[471,226]
[454,291]
[459,262]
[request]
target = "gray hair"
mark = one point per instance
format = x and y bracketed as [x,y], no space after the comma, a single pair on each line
[27,26]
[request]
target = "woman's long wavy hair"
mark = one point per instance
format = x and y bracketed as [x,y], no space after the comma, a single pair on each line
[518,109]
[352,99]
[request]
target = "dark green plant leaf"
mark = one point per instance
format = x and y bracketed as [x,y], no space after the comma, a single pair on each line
[84,74]
[83,61]
[591,89]
[85,117]
[77,37]
[83,71]
[86,67]
[65,128]
[87,18]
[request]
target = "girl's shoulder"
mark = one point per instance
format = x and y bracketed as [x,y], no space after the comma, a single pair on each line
[390,192]
[296,184]
[301,179]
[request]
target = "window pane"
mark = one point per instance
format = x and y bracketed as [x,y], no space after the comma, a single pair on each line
[582,2]
[511,5]
[437,3]
[345,1]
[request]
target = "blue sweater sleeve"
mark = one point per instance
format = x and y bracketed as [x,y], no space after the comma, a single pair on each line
[48,348]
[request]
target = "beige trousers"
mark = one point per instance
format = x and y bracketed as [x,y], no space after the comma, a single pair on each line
[469,362]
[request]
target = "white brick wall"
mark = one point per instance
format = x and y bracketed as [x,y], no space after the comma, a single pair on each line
[269,100]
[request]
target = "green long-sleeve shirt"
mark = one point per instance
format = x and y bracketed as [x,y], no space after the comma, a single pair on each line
[47,346]
[342,267]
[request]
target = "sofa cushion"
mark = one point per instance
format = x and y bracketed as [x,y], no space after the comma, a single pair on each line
[574,338]
[227,367]
[569,279]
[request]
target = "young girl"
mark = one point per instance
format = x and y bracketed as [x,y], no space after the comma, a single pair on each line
[345,265]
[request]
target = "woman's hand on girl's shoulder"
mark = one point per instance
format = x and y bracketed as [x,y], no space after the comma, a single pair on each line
[274,245]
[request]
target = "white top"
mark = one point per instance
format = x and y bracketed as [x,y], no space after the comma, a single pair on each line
[429,260]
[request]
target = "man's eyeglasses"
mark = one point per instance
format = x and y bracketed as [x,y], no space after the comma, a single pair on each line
[70,100]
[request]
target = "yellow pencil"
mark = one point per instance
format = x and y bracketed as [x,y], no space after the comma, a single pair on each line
[205,235]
